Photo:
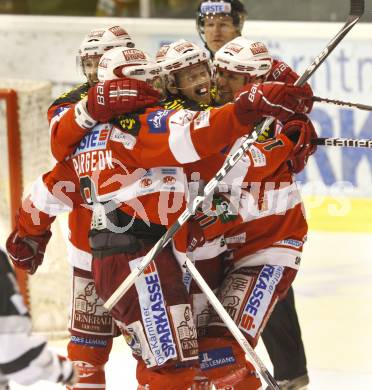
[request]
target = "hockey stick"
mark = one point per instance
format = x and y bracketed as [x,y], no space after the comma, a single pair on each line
[343,142]
[356,11]
[342,103]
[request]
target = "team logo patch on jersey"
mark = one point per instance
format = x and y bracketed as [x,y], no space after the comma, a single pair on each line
[202,120]
[215,358]
[259,300]
[259,159]
[157,121]
[126,139]
[130,123]
[96,139]
[60,110]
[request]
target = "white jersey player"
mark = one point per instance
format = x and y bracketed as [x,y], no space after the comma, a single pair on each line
[24,358]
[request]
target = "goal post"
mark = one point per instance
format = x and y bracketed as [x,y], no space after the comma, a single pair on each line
[24,155]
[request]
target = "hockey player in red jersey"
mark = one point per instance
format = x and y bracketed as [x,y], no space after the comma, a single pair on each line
[282,333]
[266,235]
[90,343]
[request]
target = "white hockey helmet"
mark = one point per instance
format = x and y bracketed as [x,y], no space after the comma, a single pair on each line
[180,55]
[129,62]
[245,57]
[99,40]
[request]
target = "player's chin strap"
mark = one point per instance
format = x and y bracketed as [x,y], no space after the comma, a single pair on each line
[356,11]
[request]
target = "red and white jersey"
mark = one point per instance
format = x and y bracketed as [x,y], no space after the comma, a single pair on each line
[54,193]
[269,212]
[124,164]
[112,158]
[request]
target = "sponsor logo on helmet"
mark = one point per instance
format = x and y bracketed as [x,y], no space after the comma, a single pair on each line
[104,62]
[218,7]
[244,68]
[184,47]
[95,34]
[264,67]
[162,52]
[258,48]
[134,55]
[118,31]
[195,56]
[234,48]
[175,65]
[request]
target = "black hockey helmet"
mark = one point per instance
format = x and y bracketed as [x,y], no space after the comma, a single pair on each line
[233,8]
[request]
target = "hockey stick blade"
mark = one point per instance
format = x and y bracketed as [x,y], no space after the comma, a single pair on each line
[342,103]
[343,142]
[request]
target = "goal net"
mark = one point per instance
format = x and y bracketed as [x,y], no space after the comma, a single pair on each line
[25,154]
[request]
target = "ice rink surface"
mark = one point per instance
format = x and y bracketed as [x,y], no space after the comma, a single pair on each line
[334,302]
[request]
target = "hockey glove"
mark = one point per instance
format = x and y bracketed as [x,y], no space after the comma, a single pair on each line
[27,252]
[282,72]
[300,131]
[279,100]
[111,98]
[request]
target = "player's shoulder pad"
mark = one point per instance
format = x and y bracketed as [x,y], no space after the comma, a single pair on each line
[72,96]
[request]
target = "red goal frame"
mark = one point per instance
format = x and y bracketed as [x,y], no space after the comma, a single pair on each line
[15,171]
